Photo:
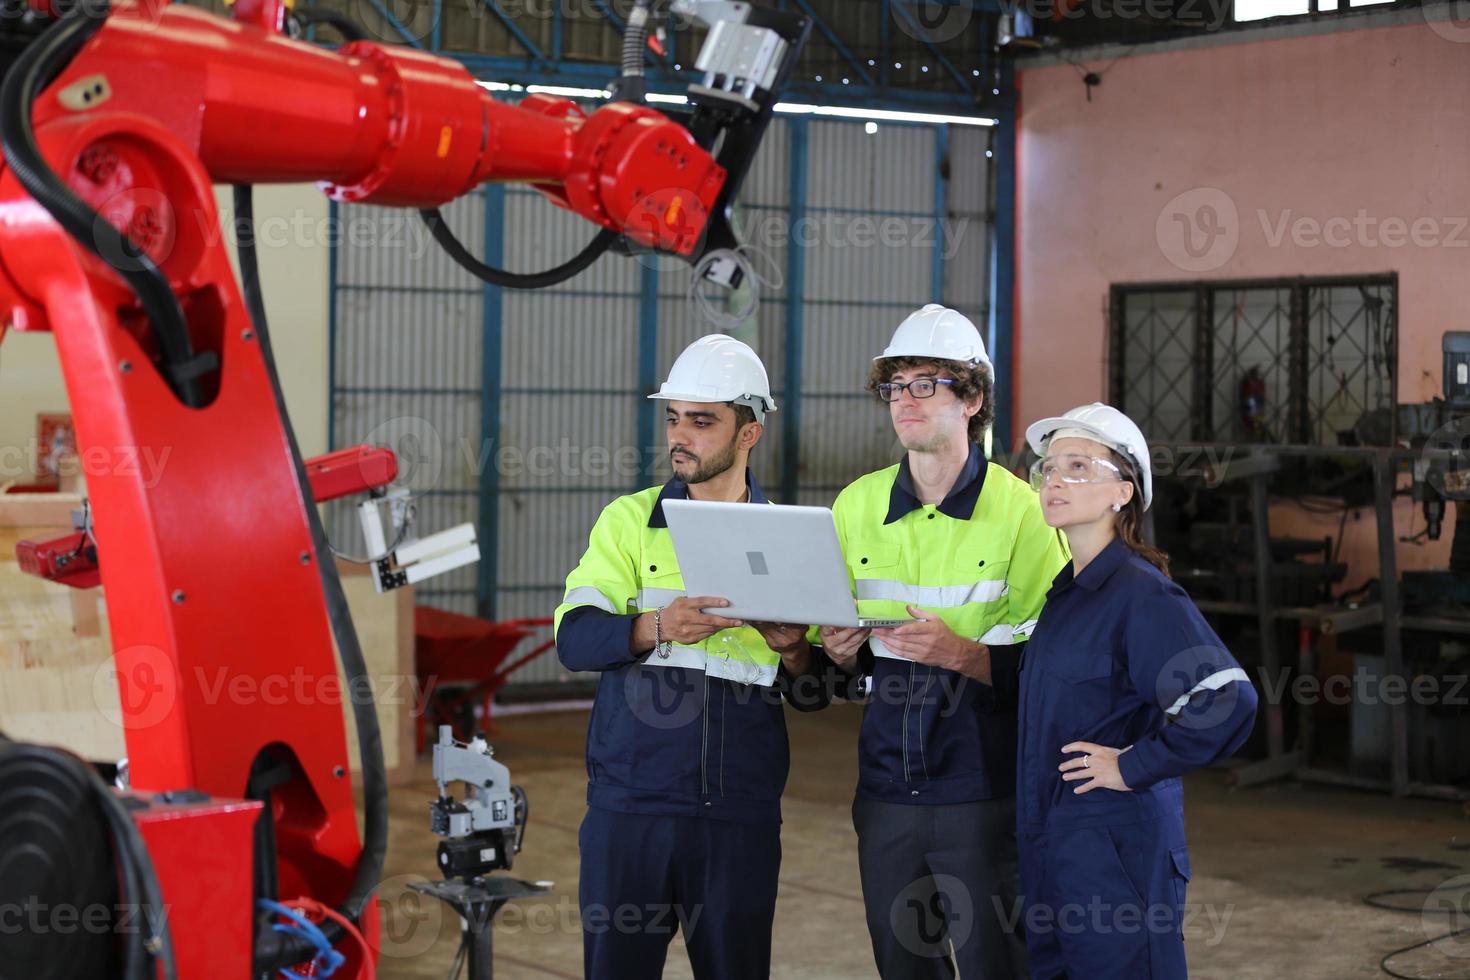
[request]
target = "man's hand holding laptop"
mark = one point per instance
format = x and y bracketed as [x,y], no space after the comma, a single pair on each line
[930,641]
[683,621]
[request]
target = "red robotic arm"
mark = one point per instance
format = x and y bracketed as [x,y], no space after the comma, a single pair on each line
[220,626]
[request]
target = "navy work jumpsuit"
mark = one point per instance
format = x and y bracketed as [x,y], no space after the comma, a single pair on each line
[1122,658]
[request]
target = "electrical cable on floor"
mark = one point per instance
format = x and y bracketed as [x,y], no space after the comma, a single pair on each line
[1375,900]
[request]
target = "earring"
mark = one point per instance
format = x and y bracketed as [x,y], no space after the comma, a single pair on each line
[1117,507]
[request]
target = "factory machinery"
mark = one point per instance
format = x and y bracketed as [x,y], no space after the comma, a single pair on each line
[234,849]
[1361,651]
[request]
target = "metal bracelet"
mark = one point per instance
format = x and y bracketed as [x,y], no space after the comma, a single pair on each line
[661,648]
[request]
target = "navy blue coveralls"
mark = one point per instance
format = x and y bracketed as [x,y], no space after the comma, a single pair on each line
[687,757]
[1120,657]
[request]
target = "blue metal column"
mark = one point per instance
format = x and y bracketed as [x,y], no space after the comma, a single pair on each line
[790,409]
[648,411]
[941,204]
[493,324]
[1003,255]
[334,219]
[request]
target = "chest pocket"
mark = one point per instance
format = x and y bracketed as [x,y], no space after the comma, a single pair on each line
[659,580]
[874,566]
[1084,668]
[866,558]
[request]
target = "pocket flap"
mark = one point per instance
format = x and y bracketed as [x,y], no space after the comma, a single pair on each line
[871,554]
[1181,861]
[1083,667]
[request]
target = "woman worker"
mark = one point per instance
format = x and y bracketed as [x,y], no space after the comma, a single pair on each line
[1124,688]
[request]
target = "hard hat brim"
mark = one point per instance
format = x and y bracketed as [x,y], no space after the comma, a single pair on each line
[889,355]
[670,396]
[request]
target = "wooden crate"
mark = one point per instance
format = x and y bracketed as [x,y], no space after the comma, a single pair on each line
[57,685]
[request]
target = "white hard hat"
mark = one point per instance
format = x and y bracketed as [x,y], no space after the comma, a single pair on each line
[1104,424]
[717,369]
[940,333]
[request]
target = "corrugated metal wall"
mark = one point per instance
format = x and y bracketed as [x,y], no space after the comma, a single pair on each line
[407,342]
[860,228]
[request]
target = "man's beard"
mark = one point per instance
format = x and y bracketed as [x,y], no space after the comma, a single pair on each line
[708,469]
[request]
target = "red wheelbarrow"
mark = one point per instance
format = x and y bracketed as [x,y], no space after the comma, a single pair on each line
[461,661]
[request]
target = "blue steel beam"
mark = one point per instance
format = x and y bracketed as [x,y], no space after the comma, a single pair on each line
[492,330]
[941,207]
[1003,258]
[649,412]
[396,24]
[799,131]
[522,38]
[918,32]
[826,31]
[610,14]
[525,71]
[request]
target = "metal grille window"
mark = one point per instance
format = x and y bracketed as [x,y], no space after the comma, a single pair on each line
[1299,361]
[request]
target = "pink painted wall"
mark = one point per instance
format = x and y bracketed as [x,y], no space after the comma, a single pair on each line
[1324,155]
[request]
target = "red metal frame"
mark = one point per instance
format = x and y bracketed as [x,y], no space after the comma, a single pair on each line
[213,598]
[195,849]
[349,471]
[65,560]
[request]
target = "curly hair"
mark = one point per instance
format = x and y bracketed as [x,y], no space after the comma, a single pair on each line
[970,381]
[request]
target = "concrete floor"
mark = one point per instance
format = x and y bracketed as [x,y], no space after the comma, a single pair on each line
[1279,871]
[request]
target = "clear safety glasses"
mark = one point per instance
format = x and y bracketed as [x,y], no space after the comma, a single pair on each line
[1073,468]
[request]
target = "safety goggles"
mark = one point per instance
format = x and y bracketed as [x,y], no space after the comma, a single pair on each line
[919,388]
[1073,468]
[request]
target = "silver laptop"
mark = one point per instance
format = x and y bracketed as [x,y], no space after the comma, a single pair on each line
[774,563]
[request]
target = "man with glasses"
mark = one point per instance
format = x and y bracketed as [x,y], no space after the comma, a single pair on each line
[957,544]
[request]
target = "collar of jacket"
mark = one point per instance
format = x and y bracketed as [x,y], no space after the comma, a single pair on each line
[679,490]
[959,503]
[1098,571]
